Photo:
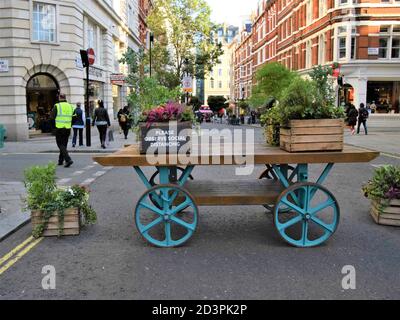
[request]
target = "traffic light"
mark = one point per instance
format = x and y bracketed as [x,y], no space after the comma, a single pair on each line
[340,81]
[85,58]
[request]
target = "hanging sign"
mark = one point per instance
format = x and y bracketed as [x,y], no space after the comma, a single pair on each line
[187,84]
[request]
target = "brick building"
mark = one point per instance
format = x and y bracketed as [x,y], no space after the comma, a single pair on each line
[363,36]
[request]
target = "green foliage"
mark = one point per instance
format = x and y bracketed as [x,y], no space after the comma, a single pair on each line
[384,185]
[244,105]
[324,93]
[195,103]
[43,195]
[183,30]
[216,103]
[271,79]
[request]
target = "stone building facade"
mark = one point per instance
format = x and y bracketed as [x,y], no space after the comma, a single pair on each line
[363,36]
[40,43]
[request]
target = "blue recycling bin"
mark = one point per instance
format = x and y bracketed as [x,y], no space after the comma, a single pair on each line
[2,135]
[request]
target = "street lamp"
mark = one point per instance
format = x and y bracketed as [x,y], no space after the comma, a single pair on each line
[186,64]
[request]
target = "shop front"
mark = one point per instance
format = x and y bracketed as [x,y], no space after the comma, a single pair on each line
[41,95]
[385,95]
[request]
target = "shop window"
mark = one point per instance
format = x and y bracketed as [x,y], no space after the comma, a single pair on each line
[44,22]
[396,48]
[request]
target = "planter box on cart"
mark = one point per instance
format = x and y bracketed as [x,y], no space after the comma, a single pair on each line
[72,222]
[386,215]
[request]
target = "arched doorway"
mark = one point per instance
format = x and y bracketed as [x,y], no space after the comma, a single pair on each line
[346,94]
[41,96]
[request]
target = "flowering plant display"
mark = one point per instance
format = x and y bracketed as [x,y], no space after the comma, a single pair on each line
[384,185]
[171,111]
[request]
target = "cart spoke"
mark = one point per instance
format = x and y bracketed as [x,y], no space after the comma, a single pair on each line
[152,208]
[291,222]
[182,206]
[304,237]
[184,224]
[293,206]
[322,206]
[151,225]
[322,224]
[173,197]
[168,238]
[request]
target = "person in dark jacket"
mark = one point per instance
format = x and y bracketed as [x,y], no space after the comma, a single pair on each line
[352,115]
[102,121]
[363,115]
[78,124]
[124,120]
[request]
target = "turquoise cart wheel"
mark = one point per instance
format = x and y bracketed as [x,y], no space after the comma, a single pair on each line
[171,222]
[313,217]
[154,179]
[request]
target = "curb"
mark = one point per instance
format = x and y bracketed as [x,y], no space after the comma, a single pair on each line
[15,229]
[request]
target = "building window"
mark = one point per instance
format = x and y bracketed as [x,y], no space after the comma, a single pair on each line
[343,2]
[395,48]
[353,47]
[342,47]
[220,84]
[220,72]
[383,48]
[212,84]
[44,22]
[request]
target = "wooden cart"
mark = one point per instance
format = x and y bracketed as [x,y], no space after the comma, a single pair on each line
[305,214]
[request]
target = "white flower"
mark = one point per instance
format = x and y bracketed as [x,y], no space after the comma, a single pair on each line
[71,191]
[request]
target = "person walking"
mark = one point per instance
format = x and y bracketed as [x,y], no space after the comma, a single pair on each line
[363,115]
[62,115]
[78,124]
[102,121]
[352,115]
[124,120]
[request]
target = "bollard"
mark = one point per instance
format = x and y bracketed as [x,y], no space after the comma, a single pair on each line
[2,135]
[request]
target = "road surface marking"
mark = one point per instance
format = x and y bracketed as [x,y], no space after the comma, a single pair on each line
[77,173]
[18,253]
[389,155]
[99,173]
[88,168]
[377,165]
[66,180]
[108,168]
[88,181]
[95,163]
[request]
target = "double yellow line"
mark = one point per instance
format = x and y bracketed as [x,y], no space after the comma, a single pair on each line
[17,253]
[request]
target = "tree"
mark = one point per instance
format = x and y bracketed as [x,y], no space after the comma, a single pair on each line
[272,79]
[195,103]
[216,103]
[184,39]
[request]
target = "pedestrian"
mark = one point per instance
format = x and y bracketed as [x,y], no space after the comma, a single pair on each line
[62,115]
[362,118]
[102,121]
[352,118]
[78,124]
[124,120]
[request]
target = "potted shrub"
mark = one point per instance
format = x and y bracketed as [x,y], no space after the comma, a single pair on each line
[166,127]
[384,192]
[270,120]
[56,211]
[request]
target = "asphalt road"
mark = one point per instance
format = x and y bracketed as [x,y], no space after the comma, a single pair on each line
[235,254]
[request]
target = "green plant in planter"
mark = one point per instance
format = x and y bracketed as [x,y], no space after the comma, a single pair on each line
[384,185]
[43,195]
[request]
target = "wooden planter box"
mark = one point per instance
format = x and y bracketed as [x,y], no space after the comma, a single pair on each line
[72,223]
[313,135]
[389,216]
[166,136]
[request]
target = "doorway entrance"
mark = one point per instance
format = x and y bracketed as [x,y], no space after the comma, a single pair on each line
[41,95]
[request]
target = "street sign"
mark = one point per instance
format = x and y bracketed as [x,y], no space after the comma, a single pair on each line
[187,84]
[373,51]
[91,56]
[4,65]
[117,79]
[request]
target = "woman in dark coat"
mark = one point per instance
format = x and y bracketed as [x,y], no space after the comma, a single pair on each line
[124,120]
[102,121]
[352,118]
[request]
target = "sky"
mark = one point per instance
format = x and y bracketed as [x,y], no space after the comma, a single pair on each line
[231,11]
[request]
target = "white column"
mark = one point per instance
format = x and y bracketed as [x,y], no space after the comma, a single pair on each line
[360,92]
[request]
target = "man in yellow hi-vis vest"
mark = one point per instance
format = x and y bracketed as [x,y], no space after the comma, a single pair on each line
[62,113]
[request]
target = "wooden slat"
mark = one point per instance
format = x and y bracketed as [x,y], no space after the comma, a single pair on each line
[262,154]
[67,232]
[317,131]
[316,123]
[70,218]
[384,219]
[314,138]
[305,147]
[234,192]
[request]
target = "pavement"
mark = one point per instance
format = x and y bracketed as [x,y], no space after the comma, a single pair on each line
[235,254]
